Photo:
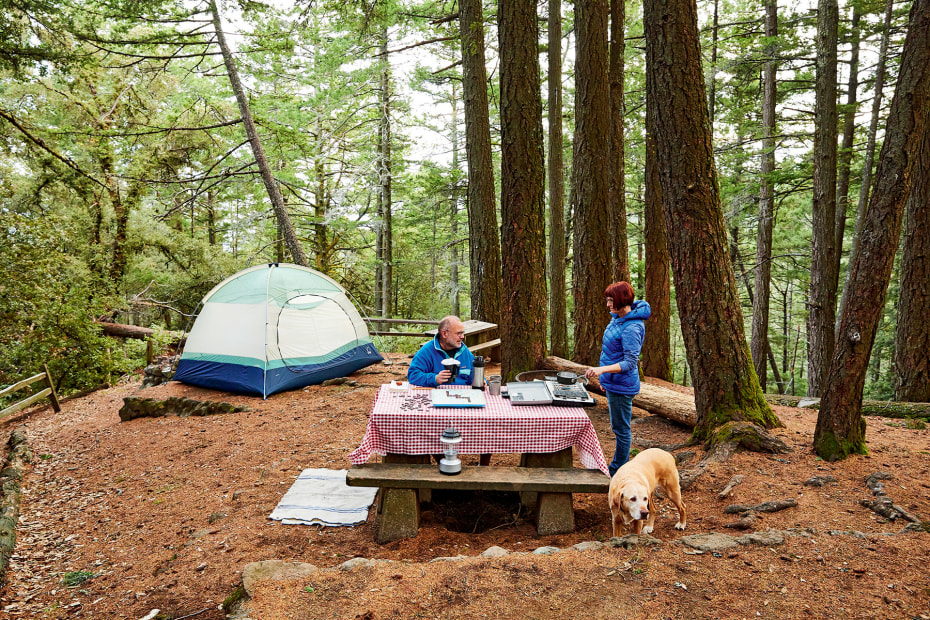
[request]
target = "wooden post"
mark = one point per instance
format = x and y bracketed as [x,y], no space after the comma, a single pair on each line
[53,395]
[149,352]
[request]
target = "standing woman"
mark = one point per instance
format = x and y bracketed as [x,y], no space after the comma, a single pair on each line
[619,369]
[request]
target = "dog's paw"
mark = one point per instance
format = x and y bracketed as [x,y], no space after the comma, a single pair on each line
[680,525]
[647,529]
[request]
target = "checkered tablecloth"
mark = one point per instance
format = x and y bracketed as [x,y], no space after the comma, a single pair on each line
[407,423]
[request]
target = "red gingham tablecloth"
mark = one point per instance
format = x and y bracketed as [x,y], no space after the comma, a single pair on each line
[407,423]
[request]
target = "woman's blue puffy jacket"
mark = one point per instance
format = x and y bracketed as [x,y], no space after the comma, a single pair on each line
[623,341]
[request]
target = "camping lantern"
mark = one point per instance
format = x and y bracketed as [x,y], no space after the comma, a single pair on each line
[450,463]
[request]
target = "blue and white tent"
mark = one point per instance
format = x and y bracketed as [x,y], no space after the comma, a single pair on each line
[272,328]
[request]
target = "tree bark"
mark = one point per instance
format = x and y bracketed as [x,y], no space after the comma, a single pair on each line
[384,169]
[840,428]
[759,342]
[822,305]
[656,353]
[849,138]
[616,170]
[725,384]
[523,238]
[558,326]
[912,333]
[484,240]
[271,186]
[868,160]
[591,242]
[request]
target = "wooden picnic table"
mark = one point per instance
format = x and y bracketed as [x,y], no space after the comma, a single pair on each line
[405,428]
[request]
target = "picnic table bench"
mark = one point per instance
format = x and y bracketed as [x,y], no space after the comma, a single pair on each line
[545,482]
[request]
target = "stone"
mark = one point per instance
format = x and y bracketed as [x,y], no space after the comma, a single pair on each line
[275,570]
[589,545]
[819,481]
[631,541]
[494,552]
[355,563]
[767,538]
[546,550]
[709,542]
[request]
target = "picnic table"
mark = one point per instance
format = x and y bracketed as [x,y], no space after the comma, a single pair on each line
[405,428]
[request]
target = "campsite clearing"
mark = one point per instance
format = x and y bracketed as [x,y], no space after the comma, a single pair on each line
[119,518]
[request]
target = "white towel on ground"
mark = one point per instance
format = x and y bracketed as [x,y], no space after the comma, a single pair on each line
[322,497]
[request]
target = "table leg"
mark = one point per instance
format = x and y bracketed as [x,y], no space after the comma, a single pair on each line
[554,511]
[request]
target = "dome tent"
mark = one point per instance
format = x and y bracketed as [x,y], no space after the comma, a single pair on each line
[272,328]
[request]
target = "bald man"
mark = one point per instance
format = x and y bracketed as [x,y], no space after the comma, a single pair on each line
[426,369]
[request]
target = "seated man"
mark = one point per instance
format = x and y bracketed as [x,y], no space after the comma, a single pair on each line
[426,369]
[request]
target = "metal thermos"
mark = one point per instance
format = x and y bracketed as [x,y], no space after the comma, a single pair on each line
[477,374]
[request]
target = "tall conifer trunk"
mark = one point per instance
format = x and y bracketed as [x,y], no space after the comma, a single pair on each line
[523,239]
[271,186]
[590,272]
[840,428]
[725,384]
[558,328]
[484,239]
[912,333]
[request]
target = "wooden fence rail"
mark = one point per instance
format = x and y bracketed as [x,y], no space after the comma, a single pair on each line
[48,391]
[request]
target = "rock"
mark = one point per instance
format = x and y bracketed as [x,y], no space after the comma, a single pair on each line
[819,481]
[765,538]
[709,542]
[546,550]
[355,563]
[494,552]
[590,545]
[151,615]
[276,570]
[454,558]
[634,540]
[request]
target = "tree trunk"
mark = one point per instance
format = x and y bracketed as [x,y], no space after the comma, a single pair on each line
[271,186]
[523,312]
[590,271]
[840,428]
[711,76]
[912,333]
[869,159]
[484,239]
[725,383]
[849,138]
[387,251]
[616,167]
[454,211]
[822,305]
[558,327]
[656,353]
[759,343]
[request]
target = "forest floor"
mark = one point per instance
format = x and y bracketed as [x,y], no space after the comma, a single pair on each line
[120,518]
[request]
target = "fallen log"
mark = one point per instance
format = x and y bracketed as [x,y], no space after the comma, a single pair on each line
[138,332]
[680,407]
[657,400]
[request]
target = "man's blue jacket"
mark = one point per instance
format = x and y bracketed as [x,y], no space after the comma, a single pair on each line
[427,363]
[623,341]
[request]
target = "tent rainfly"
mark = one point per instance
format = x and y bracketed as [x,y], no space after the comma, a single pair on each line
[273,328]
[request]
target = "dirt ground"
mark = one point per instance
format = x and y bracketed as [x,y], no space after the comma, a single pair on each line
[120,518]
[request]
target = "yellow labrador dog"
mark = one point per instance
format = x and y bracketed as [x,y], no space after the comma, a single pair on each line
[631,489]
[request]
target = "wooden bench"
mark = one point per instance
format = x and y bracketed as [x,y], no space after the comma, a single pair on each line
[401,484]
[490,349]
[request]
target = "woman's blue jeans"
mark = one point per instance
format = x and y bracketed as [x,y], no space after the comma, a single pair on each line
[621,414]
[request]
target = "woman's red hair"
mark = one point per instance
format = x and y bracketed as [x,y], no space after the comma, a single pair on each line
[621,293]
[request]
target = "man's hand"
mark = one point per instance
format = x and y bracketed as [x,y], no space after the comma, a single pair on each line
[443,376]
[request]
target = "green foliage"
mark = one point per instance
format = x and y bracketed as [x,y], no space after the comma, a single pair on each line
[77,578]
